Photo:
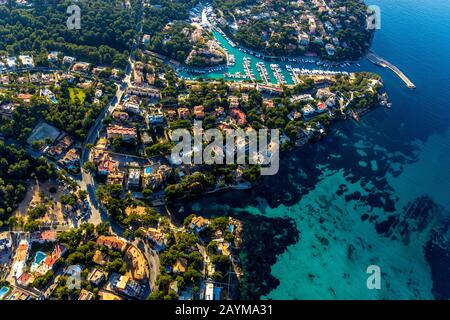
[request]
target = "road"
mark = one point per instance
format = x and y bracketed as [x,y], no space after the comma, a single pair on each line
[152,259]
[87,182]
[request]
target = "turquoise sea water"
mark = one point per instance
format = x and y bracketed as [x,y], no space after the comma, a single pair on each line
[374,192]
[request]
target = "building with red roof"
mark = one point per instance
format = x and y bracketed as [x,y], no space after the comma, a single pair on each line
[239,116]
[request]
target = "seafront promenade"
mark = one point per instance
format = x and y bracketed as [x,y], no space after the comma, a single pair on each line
[386,64]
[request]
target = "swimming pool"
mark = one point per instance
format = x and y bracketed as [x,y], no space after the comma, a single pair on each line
[40,256]
[148,170]
[3,292]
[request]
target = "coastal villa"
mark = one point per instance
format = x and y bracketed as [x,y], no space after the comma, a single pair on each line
[96,277]
[5,241]
[86,295]
[26,61]
[134,177]
[324,93]
[268,103]
[112,242]
[321,107]
[270,89]
[199,112]
[179,266]
[97,70]
[146,138]
[155,178]
[183,113]
[68,60]
[128,286]
[308,110]
[301,98]
[53,56]
[62,145]
[81,67]
[20,258]
[25,97]
[7,110]
[11,62]
[223,247]
[121,132]
[102,144]
[138,76]
[115,178]
[44,263]
[219,112]
[71,160]
[239,116]
[241,87]
[199,223]
[295,115]
[99,258]
[233,101]
[120,116]
[146,39]
[155,116]
[51,259]
[106,165]
[170,114]
[132,107]
[43,236]
[145,92]
[139,210]
[157,238]
[25,279]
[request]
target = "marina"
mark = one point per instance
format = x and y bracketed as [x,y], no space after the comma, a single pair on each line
[243,63]
[248,69]
[263,72]
[278,74]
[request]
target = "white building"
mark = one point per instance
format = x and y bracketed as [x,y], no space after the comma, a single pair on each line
[5,241]
[27,61]
[134,177]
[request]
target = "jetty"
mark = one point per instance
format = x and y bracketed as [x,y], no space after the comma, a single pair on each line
[375,59]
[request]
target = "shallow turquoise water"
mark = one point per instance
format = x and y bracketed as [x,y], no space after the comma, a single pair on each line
[40,256]
[374,192]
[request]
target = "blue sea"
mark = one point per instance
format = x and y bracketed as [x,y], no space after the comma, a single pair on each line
[373,193]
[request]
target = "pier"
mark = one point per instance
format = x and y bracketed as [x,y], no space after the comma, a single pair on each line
[386,64]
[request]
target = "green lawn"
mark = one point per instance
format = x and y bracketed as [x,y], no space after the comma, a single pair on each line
[76,92]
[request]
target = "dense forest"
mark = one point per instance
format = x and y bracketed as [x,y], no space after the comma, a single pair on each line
[106,34]
[173,42]
[170,41]
[161,12]
[70,115]
[16,166]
